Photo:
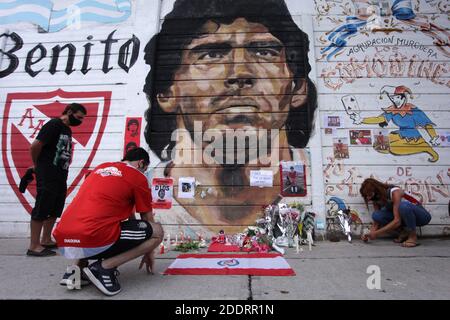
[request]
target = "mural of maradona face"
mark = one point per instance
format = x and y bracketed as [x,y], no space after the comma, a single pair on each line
[231,64]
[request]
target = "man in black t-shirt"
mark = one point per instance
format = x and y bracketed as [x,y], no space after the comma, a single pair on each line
[51,153]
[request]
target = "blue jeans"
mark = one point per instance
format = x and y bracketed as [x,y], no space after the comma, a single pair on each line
[412,215]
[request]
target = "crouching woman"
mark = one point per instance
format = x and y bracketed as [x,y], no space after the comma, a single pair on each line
[394,210]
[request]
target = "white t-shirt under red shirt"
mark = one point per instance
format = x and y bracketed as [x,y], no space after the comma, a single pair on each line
[91,223]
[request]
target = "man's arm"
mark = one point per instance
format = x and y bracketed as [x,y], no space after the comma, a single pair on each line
[35,150]
[147,216]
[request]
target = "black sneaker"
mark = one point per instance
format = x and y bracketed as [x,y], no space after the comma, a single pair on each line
[104,279]
[84,281]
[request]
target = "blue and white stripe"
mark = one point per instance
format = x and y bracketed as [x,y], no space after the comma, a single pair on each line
[403,10]
[42,13]
[36,12]
[339,35]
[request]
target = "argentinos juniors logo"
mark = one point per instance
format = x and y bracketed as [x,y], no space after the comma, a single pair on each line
[228,263]
[24,116]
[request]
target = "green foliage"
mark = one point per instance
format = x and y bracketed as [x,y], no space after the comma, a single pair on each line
[187,246]
[298,205]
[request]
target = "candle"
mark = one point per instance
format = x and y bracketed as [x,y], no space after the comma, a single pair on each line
[168,241]
[309,236]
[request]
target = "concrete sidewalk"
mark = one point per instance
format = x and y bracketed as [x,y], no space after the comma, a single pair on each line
[329,271]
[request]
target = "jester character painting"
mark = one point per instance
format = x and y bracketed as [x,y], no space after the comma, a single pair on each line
[407,140]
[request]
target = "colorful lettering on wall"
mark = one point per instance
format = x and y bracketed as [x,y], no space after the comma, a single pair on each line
[346,182]
[24,115]
[369,18]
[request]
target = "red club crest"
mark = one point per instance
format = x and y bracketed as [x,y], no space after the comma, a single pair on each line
[26,113]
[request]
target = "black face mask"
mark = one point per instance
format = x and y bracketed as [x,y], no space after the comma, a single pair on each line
[74,121]
[375,197]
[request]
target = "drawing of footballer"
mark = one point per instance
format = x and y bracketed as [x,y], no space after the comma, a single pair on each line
[408,139]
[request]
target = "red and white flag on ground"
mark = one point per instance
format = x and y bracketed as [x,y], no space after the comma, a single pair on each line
[255,264]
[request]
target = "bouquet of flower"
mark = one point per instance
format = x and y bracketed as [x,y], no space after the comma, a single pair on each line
[256,239]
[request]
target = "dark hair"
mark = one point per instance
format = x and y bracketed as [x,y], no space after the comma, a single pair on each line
[131,144]
[185,23]
[132,121]
[371,185]
[75,107]
[137,154]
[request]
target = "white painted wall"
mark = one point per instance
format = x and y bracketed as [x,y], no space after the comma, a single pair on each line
[336,77]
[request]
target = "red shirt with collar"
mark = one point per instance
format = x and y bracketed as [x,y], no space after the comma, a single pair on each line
[107,197]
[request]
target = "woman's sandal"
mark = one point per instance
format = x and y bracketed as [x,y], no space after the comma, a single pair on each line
[410,244]
[402,237]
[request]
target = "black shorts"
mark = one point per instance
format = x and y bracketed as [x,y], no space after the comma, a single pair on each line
[50,198]
[132,234]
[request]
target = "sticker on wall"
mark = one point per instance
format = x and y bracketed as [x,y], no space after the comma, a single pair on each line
[293,179]
[329,131]
[381,141]
[186,187]
[261,178]
[360,137]
[340,148]
[332,122]
[132,137]
[162,190]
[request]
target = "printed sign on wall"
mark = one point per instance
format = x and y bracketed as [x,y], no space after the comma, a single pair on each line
[186,187]
[360,137]
[162,190]
[261,178]
[293,179]
[132,137]
[340,148]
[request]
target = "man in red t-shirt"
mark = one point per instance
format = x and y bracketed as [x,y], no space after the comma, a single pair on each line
[99,224]
[292,179]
